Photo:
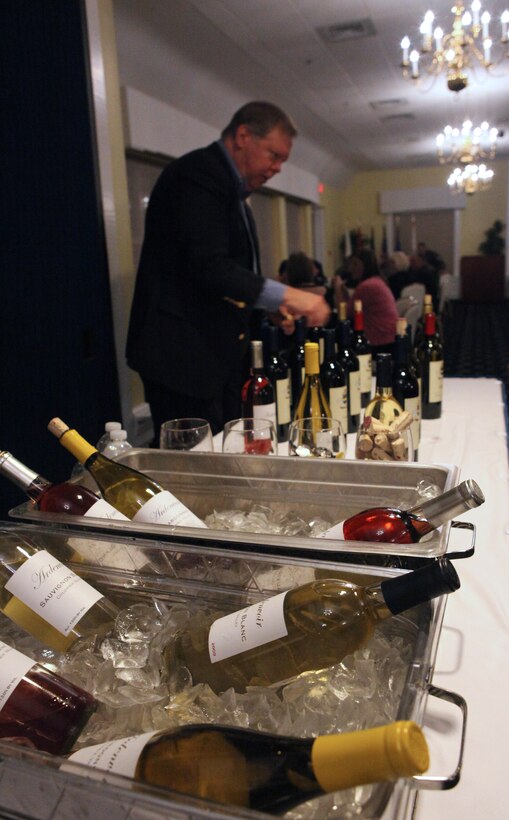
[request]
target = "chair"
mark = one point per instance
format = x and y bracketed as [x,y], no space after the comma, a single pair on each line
[444,292]
[412,316]
[417,290]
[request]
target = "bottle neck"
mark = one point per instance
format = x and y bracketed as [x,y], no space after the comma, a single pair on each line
[438,511]
[34,485]
[401,349]
[329,344]
[311,359]
[373,755]
[358,321]
[437,577]
[256,357]
[384,375]
[77,446]
[429,324]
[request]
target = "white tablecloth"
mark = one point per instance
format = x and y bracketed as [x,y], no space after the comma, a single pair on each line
[473,651]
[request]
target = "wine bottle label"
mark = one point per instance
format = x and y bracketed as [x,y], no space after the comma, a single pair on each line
[101,509]
[283,401]
[436,381]
[248,628]
[53,591]
[338,401]
[334,532]
[118,756]
[13,667]
[354,386]
[164,508]
[413,406]
[264,411]
[366,372]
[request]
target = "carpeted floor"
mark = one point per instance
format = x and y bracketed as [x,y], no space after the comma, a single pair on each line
[476,339]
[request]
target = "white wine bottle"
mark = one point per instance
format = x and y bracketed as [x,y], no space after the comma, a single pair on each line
[312,400]
[311,627]
[258,770]
[46,598]
[136,495]
[383,405]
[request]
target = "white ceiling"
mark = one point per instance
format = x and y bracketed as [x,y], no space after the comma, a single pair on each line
[353,108]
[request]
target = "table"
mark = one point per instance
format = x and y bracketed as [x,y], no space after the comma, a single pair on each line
[473,651]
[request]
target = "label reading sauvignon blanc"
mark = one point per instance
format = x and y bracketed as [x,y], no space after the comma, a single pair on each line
[164,508]
[13,667]
[53,591]
[101,509]
[248,628]
[117,756]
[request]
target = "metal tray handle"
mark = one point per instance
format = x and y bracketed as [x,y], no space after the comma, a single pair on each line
[436,782]
[463,525]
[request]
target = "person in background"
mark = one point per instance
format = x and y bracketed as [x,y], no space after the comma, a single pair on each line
[378,302]
[421,271]
[398,272]
[199,280]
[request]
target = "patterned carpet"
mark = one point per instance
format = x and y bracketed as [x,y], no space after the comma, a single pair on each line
[476,339]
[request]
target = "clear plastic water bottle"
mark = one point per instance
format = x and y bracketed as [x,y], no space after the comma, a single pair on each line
[118,444]
[78,470]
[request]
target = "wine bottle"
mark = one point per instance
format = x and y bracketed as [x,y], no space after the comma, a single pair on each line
[312,401]
[258,399]
[431,357]
[65,497]
[38,707]
[350,362]
[395,526]
[258,770]
[279,375]
[296,359]
[132,493]
[314,334]
[311,627]
[405,386]
[383,405]
[362,350]
[427,307]
[333,378]
[46,598]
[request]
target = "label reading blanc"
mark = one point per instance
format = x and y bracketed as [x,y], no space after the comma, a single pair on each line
[248,628]
[13,667]
[53,591]
[101,509]
[117,756]
[164,508]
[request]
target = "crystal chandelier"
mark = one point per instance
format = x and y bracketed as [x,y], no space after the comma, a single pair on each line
[469,43]
[467,144]
[470,179]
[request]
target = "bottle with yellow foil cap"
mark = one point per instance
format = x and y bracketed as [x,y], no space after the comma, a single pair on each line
[312,401]
[132,493]
[258,770]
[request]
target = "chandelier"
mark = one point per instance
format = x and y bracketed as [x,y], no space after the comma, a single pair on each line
[467,144]
[470,179]
[468,43]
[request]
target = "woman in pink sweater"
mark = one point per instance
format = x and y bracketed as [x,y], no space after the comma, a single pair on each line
[378,303]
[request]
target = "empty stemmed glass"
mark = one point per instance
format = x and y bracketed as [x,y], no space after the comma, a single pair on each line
[317,437]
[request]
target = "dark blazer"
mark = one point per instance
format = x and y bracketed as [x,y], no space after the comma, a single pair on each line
[195,286]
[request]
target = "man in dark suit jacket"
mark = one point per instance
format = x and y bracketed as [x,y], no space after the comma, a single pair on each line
[199,276]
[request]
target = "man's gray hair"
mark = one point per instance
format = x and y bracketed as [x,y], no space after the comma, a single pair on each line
[260,118]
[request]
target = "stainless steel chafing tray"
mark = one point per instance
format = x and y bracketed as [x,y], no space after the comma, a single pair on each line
[332,489]
[34,785]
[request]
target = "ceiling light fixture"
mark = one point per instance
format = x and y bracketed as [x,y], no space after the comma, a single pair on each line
[470,179]
[468,43]
[467,144]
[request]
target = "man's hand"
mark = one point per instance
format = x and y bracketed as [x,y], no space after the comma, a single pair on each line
[298,302]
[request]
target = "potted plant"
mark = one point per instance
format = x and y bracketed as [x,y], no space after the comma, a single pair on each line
[494,243]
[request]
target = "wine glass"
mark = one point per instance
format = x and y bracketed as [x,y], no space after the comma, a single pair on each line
[250,436]
[318,437]
[374,444]
[186,434]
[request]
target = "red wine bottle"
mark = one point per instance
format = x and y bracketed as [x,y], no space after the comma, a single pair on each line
[66,497]
[37,707]
[362,350]
[258,393]
[334,379]
[350,362]
[405,386]
[431,357]
[278,372]
[394,526]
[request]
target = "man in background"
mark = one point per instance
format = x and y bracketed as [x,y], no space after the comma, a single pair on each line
[199,278]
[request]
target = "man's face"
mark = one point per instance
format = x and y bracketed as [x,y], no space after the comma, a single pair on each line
[259,158]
